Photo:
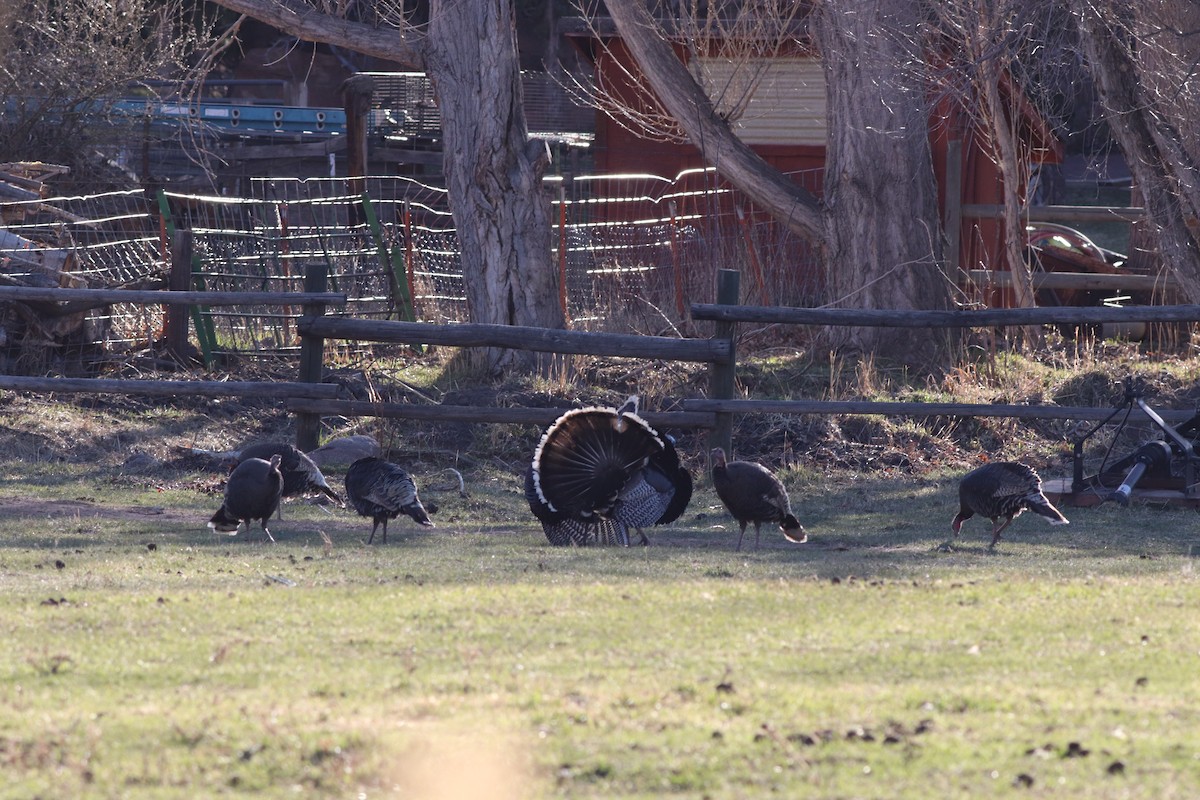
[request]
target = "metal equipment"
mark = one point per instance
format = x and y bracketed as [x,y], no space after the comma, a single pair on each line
[1160,469]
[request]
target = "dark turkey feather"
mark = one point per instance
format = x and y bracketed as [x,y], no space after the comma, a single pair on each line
[381,490]
[252,492]
[751,493]
[301,475]
[1002,490]
[597,472]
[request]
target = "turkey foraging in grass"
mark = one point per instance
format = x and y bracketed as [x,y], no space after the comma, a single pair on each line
[1001,489]
[381,490]
[252,492]
[752,493]
[301,475]
[597,472]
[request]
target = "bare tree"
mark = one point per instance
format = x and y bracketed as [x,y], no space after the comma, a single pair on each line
[1143,60]
[985,35]
[64,62]
[493,171]
[877,227]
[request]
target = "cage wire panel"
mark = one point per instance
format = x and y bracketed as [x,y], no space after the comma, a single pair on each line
[103,241]
[634,250]
[414,242]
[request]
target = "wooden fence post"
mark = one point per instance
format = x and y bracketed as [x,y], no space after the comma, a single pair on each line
[721,376]
[312,352]
[175,325]
[357,91]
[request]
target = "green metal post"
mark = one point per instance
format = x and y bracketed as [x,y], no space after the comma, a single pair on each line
[206,335]
[392,260]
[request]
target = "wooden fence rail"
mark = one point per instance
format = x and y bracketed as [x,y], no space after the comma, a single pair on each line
[274,390]
[901,409]
[1059,213]
[451,413]
[519,338]
[165,297]
[983,318]
[1086,281]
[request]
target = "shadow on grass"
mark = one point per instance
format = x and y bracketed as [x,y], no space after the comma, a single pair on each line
[875,527]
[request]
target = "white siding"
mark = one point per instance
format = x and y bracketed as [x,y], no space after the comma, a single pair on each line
[787,104]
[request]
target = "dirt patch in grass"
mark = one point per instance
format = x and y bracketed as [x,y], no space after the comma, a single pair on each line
[71,509]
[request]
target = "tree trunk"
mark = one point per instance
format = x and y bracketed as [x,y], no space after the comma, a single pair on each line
[883,234]
[493,173]
[1162,169]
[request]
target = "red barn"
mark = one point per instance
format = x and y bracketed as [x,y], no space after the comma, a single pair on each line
[784,122]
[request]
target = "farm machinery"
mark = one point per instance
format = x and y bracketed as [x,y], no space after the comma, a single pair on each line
[1163,467]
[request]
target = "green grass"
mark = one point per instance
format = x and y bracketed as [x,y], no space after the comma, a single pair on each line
[146,657]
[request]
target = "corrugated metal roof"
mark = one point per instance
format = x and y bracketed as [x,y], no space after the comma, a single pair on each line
[786,104]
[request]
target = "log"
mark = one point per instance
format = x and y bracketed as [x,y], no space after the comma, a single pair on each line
[984,318]
[248,389]
[442,413]
[899,409]
[519,338]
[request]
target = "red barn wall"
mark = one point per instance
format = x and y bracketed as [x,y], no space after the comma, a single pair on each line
[619,150]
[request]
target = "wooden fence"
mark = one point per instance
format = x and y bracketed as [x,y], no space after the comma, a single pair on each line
[310,399]
[719,351]
[177,302]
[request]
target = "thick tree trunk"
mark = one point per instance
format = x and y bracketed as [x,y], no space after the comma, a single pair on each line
[493,173]
[1161,167]
[883,234]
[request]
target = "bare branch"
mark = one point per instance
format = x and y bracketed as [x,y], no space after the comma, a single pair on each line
[689,104]
[392,39]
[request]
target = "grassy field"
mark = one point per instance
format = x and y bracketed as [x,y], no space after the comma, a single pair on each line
[146,657]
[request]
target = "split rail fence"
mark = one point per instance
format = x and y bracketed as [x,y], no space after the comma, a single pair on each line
[310,399]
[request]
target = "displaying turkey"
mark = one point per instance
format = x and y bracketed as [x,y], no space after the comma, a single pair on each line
[381,490]
[1001,489]
[597,472]
[751,493]
[252,492]
[301,475]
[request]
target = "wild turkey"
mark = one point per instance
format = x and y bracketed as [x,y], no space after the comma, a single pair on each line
[252,492]
[752,493]
[381,490]
[597,472]
[301,475]
[1001,489]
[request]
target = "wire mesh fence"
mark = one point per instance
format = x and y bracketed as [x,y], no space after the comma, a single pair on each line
[633,251]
